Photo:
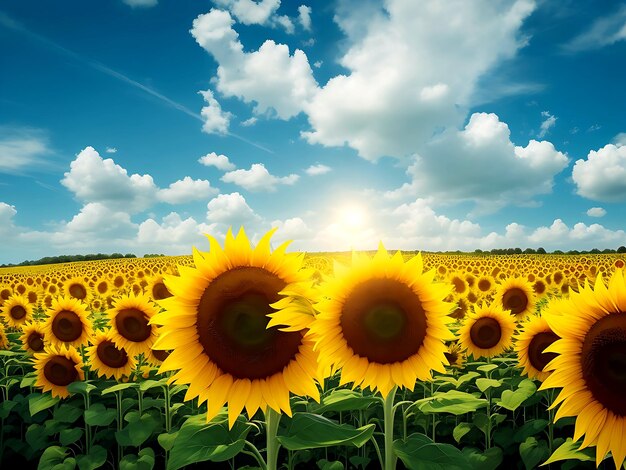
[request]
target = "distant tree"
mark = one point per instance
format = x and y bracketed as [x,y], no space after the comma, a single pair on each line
[608,251]
[129,255]
[541,251]
[621,249]
[478,251]
[518,251]
[530,251]
[595,251]
[558,252]
[573,252]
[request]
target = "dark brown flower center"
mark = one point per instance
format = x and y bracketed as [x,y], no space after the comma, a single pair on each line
[60,371]
[232,324]
[132,324]
[110,355]
[451,357]
[603,360]
[539,359]
[459,285]
[515,300]
[67,326]
[160,355]
[77,290]
[102,287]
[35,341]
[160,292]
[485,333]
[383,320]
[18,312]
[484,285]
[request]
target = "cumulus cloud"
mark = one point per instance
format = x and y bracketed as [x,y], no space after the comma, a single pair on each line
[257,178]
[604,31]
[231,209]
[22,148]
[186,190]
[220,162]
[315,170]
[547,124]
[7,212]
[270,77]
[216,121]
[172,231]
[304,16]
[596,212]
[141,3]
[291,229]
[620,139]
[602,176]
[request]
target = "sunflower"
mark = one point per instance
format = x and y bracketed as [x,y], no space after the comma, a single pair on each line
[106,359]
[67,323]
[591,364]
[33,337]
[130,327]
[156,288]
[77,288]
[383,322]
[455,355]
[17,310]
[217,324]
[4,340]
[57,367]
[516,295]
[487,331]
[485,284]
[531,342]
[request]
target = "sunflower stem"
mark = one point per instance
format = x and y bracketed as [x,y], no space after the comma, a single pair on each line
[272,418]
[388,413]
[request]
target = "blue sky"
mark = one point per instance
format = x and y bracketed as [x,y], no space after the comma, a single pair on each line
[138,125]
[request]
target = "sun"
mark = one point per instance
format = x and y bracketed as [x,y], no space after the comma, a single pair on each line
[352,217]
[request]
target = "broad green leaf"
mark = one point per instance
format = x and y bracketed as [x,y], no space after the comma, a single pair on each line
[483,384]
[487,368]
[343,400]
[69,436]
[148,384]
[487,460]
[138,429]
[52,456]
[569,451]
[310,431]
[199,441]
[530,428]
[41,402]
[330,465]
[36,437]
[95,459]
[461,430]
[452,401]
[511,400]
[144,460]
[468,377]
[28,381]
[5,408]
[52,426]
[67,413]
[167,440]
[118,387]
[418,452]
[98,415]
[8,353]
[82,387]
[533,451]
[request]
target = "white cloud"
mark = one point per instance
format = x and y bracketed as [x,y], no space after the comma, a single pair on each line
[620,139]
[172,231]
[291,229]
[216,121]
[220,162]
[249,122]
[596,212]
[231,210]
[257,178]
[304,16]
[604,31]
[96,217]
[111,150]
[7,213]
[141,3]
[22,148]
[319,169]
[270,77]
[250,12]
[186,190]
[93,179]
[547,124]
[399,90]
[602,177]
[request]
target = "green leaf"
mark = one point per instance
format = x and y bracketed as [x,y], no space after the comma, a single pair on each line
[530,428]
[199,441]
[310,431]
[418,452]
[98,415]
[533,451]
[148,384]
[67,413]
[487,460]
[95,459]
[5,408]
[330,465]
[452,401]
[511,400]
[343,400]
[41,402]
[118,387]
[484,384]
[69,436]
[569,451]
[83,387]
[487,368]
[52,426]
[461,430]
[167,440]
[468,377]
[144,460]
[36,437]
[53,455]
[28,381]
[138,429]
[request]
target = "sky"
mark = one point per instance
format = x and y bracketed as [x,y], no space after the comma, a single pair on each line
[138,126]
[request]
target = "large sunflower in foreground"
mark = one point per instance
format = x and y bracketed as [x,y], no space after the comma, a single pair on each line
[130,323]
[67,323]
[56,368]
[217,326]
[487,331]
[33,337]
[383,322]
[17,310]
[531,342]
[106,359]
[516,295]
[591,366]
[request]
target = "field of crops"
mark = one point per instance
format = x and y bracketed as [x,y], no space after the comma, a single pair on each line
[252,357]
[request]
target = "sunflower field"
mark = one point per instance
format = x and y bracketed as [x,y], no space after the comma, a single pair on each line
[253,357]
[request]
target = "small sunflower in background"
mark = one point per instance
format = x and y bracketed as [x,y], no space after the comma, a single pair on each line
[383,322]
[591,364]
[17,310]
[56,368]
[217,326]
[106,359]
[4,340]
[156,288]
[77,288]
[487,332]
[67,323]
[516,296]
[531,342]
[130,323]
[33,337]
[455,356]
[485,284]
